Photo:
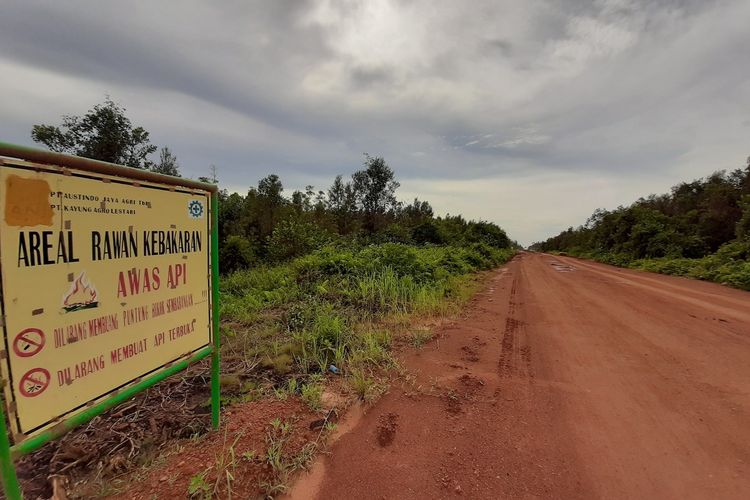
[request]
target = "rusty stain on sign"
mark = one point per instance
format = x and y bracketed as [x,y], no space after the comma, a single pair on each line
[27,202]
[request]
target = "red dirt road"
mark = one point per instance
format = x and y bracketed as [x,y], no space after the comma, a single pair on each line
[565,379]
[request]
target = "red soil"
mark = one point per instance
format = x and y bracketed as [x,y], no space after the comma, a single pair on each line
[247,423]
[565,379]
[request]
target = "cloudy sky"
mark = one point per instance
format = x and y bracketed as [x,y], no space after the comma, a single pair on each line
[527,113]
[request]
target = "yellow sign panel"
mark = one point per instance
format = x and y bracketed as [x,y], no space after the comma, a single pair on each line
[103,281]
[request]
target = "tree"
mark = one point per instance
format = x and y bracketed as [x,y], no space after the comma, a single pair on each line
[291,238]
[342,203]
[488,233]
[236,253]
[694,220]
[719,211]
[375,188]
[270,188]
[427,232]
[213,179]
[167,163]
[742,229]
[230,210]
[417,212]
[267,206]
[104,133]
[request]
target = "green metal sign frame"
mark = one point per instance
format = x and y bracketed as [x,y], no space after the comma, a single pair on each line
[9,453]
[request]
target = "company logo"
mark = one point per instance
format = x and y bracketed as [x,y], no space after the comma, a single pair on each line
[195,209]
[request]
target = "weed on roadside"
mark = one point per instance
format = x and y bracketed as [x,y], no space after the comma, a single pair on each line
[219,476]
[312,394]
[198,487]
[365,385]
[420,337]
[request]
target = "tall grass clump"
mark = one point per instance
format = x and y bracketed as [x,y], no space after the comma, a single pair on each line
[323,309]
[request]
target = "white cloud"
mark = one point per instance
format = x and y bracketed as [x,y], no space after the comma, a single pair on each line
[530,113]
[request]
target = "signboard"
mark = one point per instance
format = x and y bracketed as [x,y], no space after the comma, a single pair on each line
[104,281]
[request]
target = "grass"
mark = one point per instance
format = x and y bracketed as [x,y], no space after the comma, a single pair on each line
[198,487]
[312,394]
[420,337]
[366,386]
[205,485]
[299,318]
[280,462]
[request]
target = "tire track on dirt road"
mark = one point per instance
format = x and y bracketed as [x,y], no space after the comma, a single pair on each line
[515,353]
[472,423]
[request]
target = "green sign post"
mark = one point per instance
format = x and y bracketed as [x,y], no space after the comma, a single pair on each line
[36,361]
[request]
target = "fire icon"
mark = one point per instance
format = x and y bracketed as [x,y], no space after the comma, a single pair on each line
[82,295]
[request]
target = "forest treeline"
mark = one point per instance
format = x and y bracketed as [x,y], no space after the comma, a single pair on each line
[266,226]
[700,229]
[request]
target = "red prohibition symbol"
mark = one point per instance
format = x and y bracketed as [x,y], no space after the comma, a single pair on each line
[34,382]
[29,342]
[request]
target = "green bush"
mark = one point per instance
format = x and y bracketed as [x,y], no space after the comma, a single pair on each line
[403,260]
[236,253]
[487,233]
[428,233]
[729,265]
[292,238]
[325,263]
[315,302]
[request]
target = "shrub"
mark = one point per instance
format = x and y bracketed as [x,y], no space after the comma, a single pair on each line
[325,263]
[395,233]
[487,233]
[729,265]
[236,253]
[402,260]
[291,238]
[428,233]
[303,315]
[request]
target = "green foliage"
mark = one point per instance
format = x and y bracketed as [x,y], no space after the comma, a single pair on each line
[349,215]
[323,297]
[312,394]
[365,386]
[487,233]
[742,229]
[264,225]
[730,265]
[236,253]
[428,233]
[198,487]
[371,349]
[693,221]
[167,163]
[281,363]
[275,457]
[394,233]
[375,191]
[104,133]
[306,279]
[420,337]
[293,238]
[700,230]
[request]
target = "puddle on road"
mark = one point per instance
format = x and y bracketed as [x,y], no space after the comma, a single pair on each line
[561,268]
